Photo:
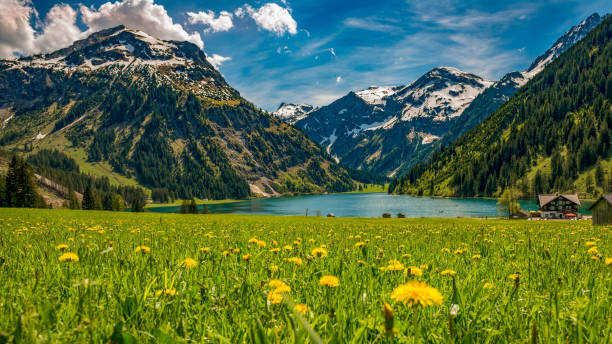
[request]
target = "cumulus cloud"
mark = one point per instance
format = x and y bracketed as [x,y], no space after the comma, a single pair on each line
[223,22]
[338,79]
[270,17]
[16,33]
[142,15]
[59,29]
[217,60]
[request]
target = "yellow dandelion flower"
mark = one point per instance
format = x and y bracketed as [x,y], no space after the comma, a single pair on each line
[609,261]
[361,262]
[415,293]
[142,249]
[246,257]
[329,281]
[476,256]
[273,268]
[445,250]
[487,285]
[275,283]
[225,253]
[448,272]
[189,263]
[301,308]
[319,252]
[205,249]
[69,257]
[166,292]
[360,244]
[414,271]
[590,243]
[394,265]
[61,247]
[261,243]
[595,257]
[237,250]
[295,260]
[253,241]
[287,248]
[275,298]
[593,250]
[275,250]
[514,276]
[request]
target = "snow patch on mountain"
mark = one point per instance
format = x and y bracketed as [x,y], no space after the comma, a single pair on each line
[376,94]
[291,113]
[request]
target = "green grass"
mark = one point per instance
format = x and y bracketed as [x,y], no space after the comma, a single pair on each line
[369,188]
[562,294]
[178,203]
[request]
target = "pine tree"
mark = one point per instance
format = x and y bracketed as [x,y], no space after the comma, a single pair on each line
[118,203]
[193,207]
[88,199]
[20,190]
[137,206]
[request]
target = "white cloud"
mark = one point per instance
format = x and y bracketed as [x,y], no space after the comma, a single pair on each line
[16,33]
[338,79]
[332,51]
[370,24]
[217,60]
[60,29]
[142,15]
[223,22]
[271,17]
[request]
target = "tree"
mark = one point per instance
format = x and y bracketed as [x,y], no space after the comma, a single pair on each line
[88,199]
[19,189]
[137,206]
[599,175]
[589,183]
[508,202]
[118,203]
[184,207]
[193,207]
[72,202]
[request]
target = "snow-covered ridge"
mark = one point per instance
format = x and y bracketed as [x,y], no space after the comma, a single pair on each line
[291,113]
[376,94]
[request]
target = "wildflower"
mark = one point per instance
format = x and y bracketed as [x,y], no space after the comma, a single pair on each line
[237,250]
[445,250]
[275,298]
[302,309]
[448,272]
[275,283]
[142,249]
[513,277]
[590,243]
[287,248]
[275,250]
[360,244]
[361,262]
[205,249]
[167,292]
[319,252]
[273,268]
[487,285]
[609,261]
[225,253]
[246,257]
[61,247]
[253,241]
[189,263]
[406,255]
[261,243]
[593,250]
[597,257]
[415,293]
[394,265]
[69,257]
[476,256]
[414,271]
[329,281]
[295,260]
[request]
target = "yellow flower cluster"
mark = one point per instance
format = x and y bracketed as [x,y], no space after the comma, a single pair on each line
[415,293]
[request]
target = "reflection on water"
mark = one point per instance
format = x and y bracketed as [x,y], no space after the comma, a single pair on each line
[364,205]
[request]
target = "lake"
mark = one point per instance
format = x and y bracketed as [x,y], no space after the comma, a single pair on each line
[363,205]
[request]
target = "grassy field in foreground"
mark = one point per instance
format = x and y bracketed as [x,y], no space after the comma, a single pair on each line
[92,277]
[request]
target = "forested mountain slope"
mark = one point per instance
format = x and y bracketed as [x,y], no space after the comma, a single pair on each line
[562,118]
[157,113]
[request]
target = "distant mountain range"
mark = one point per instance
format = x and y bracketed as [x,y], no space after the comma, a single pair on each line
[552,135]
[386,130]
[156,113]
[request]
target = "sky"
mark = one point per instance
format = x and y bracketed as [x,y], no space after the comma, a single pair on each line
[314,51]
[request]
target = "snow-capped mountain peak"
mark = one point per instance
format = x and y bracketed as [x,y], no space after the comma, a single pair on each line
[376,94]
[292,113]
[571,37]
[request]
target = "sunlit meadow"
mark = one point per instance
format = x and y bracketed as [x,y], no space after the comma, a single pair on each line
[76,276]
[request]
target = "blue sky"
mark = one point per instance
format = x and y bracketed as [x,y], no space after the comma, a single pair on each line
[333,47]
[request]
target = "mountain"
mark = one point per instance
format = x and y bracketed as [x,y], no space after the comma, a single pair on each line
[553,135]
[386,130]
[155,113]
[291,113]
[495,96]
[381,129]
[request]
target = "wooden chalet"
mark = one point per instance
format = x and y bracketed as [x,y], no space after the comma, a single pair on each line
[559,206]
[602,210]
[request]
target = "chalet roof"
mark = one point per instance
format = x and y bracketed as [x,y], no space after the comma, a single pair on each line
[607,198]
[545,199]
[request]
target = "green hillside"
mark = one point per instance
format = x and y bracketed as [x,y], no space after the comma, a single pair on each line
[550,136]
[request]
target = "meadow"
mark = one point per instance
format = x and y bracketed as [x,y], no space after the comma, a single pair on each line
[93,277]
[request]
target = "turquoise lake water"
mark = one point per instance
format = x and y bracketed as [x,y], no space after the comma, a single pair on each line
[364,205]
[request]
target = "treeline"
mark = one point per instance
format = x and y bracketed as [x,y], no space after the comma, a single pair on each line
[98,193]
[564,113]
[18,187]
